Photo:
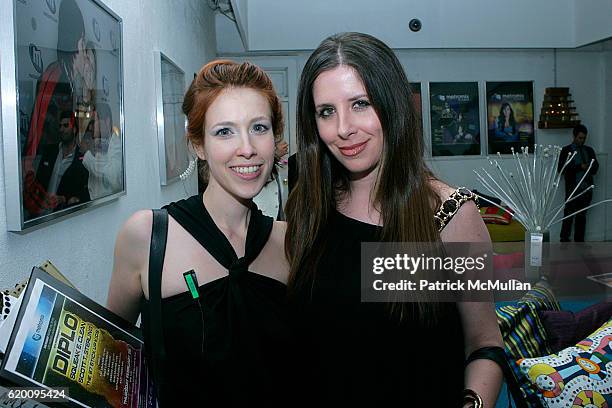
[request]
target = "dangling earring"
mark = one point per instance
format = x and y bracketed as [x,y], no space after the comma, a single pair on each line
[192,165]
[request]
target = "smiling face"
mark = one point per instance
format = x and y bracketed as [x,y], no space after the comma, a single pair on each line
[238,142]
[346,120]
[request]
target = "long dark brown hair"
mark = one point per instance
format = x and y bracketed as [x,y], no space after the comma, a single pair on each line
[403,193]
[501,119]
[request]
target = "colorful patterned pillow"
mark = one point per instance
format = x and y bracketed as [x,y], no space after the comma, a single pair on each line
[523,333]
[578,376]
[495,215]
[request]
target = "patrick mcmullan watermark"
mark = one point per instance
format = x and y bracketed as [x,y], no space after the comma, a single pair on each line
[443,272]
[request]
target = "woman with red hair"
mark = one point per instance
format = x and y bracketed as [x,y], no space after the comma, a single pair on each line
[213,301]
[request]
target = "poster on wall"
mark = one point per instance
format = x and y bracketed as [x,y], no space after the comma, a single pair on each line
[509,116]
[63,340]
[62,108]
[455,125]
[171,122]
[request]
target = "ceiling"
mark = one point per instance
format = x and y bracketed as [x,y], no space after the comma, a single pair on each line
[291,25]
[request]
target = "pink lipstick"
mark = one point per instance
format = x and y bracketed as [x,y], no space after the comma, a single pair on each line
[353,150]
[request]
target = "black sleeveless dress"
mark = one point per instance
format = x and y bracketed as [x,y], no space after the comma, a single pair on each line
[365,356]
[233,351]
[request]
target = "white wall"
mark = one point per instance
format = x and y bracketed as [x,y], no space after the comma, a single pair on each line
[607,130]
[607,89]
[228,37]
[241,12]
[292,25]
[81,246]
[593,21]
[582,71]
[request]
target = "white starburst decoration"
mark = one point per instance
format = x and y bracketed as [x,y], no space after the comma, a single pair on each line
[531,188]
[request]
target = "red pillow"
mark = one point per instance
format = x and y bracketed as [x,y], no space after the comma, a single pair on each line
[495,215]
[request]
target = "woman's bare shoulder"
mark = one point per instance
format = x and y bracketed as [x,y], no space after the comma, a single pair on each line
[442,189]
[134,238]
[131,260]
[466,225]
[137,228]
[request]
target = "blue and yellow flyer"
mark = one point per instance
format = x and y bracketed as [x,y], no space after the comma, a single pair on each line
[62,343]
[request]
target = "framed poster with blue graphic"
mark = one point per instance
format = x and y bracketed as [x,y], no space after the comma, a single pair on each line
[62,108]
[455,123]
[509,116]
[63,340]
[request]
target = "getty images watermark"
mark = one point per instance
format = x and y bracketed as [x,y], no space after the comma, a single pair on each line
[443,272]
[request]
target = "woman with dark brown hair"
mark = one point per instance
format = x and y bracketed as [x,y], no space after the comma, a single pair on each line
[212,296]
[362,178]
[505,125]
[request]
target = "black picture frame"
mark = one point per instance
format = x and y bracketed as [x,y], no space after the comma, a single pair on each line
[516,97]
[455,118]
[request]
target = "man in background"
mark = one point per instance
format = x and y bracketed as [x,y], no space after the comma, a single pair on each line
[573,173]
[60,171]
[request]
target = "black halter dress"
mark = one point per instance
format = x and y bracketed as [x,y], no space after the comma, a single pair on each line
[232,348]
[364,355]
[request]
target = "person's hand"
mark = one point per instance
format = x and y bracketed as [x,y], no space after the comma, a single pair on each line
[97,135]
[57,200]
[282,148]
[73,200]
[79,58]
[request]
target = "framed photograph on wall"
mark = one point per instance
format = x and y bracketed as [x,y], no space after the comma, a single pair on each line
[62,108]
[509,116]
[455,118]
[171,122]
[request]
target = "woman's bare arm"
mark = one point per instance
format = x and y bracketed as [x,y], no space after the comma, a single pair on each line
[130,264]
[478,319]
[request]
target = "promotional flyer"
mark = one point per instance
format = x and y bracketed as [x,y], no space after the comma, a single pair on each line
[59,341]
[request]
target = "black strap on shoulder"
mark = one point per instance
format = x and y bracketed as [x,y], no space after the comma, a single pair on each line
[281,213]
[197,221]
[498,355]
[157,252]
